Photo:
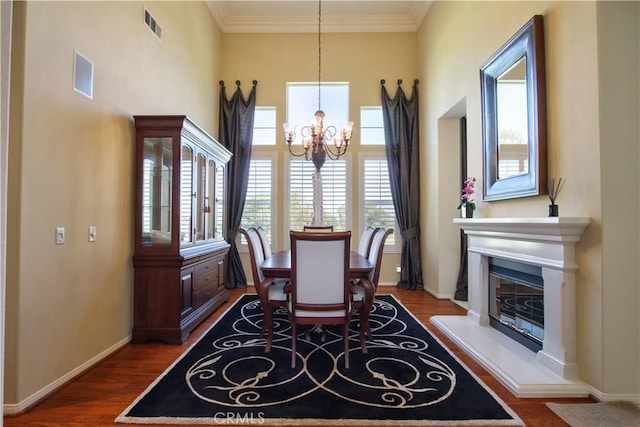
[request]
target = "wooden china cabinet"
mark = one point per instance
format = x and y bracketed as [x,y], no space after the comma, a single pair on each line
[180,251]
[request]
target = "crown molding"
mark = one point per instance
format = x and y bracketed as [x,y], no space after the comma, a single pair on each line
[408,19]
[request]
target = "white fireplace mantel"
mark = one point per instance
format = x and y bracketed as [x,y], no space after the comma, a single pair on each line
[545,242]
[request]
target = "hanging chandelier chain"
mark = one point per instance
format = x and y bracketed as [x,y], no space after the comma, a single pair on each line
[319,51]
[319,142]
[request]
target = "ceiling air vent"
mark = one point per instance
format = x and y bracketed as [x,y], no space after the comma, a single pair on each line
[152,24]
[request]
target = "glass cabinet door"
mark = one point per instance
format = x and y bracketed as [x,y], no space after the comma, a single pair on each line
[219,207]
[210,200]
[201,182]
[156,191]
[186,194]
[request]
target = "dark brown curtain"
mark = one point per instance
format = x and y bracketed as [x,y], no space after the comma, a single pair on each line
[401,132]
[236,134]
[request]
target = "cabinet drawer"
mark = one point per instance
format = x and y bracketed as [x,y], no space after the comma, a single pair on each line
[206,279]
[203,295]
[205,267]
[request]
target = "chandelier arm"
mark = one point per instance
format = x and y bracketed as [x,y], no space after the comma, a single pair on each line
[305,132]
[330,132]
[335,155]
[304,153]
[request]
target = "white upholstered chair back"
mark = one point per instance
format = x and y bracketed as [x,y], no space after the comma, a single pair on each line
[320,271]
[256,253]
[365,241]
[375,253]
[266,245]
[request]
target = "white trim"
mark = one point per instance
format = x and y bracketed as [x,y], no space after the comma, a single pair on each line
[13,409]
[6,13]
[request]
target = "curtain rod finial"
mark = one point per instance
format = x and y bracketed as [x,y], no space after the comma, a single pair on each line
[399,81]
[238,82]
[221,82]
[255,83]
[416,81]
[382,81]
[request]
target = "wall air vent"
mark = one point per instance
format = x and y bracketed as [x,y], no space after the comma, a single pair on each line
[150,22]
[82,75]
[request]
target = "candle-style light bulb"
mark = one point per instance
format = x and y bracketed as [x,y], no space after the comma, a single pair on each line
[347,130]
[289,132]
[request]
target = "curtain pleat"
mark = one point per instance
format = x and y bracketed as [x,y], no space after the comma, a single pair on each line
[236,134]
[401,131]
[462,287]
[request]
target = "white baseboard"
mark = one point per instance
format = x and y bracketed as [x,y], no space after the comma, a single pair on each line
[17,408]
[608,397]
[387,284]
[437,295]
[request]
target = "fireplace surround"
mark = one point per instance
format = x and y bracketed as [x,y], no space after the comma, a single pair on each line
[547,244]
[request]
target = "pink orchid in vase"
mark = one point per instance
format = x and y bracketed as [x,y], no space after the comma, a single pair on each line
[467,192]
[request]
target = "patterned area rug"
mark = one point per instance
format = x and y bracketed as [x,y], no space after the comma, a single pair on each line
[408,378]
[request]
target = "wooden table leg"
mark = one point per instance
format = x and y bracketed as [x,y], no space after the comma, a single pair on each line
[367,304]
[263,295]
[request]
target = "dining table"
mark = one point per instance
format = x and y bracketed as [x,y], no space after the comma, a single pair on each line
[278,266]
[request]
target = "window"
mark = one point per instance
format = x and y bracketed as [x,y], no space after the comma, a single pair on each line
[302,103]
[371,126]
[264,126]
[258,202]
[377,203]
[334,193]
[378,210]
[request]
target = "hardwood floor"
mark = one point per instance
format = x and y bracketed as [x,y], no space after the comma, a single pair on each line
[99,395]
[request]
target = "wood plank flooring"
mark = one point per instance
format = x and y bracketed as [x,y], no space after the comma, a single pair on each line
[99,395]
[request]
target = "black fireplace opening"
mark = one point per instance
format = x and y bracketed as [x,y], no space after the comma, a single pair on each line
[516,301]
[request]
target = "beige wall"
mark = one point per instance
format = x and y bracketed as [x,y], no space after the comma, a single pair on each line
[360,59]
[619,93]
[72,162]
[593,143]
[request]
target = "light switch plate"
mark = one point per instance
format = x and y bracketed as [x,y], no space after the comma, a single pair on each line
[59,235]
[92,234]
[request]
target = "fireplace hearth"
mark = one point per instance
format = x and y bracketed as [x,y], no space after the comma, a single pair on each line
[522,278]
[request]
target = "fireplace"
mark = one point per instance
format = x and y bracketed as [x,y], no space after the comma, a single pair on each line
[516,301]
[522,279]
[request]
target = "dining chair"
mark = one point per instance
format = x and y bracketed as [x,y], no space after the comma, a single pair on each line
[320,291]
[318,228]
[366,288]
[364,245]
[270,291]
[266,245]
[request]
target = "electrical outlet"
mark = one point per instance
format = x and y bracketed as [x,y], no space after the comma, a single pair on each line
[92,234]
[398,269]
[60,236]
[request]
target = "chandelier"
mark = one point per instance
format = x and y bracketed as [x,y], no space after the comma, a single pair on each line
[319,142]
